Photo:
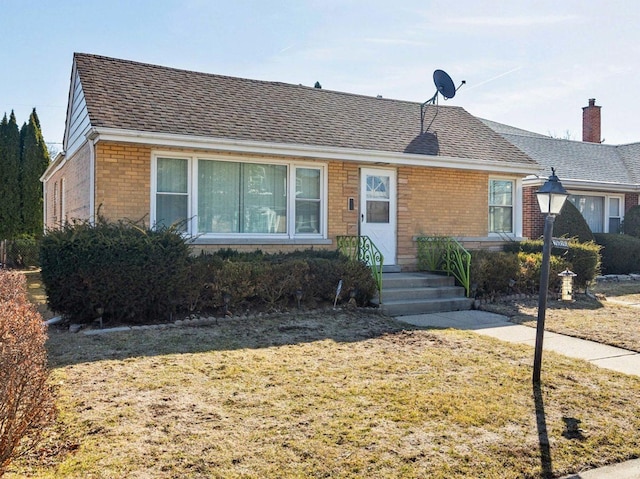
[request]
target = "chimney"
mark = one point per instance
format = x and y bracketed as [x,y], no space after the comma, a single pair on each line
[591,122]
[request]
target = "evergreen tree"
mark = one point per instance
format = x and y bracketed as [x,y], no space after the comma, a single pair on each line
[9,177]
[34,162]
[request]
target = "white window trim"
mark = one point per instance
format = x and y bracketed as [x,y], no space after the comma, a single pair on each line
[154,186]
[192,191]
[516,205]
[607,198]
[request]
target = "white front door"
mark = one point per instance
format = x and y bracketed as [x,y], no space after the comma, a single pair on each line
[378,210]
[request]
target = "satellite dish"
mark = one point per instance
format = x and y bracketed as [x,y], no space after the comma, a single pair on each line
[445,87]
[444,84]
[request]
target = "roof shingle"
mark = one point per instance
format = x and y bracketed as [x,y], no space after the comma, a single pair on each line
[143,97]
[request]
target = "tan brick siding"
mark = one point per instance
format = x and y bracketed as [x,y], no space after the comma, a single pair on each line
[436,201]
[123,179]
[74,178]
[431,201]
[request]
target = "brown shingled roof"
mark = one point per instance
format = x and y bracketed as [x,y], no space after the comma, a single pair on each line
[137,96]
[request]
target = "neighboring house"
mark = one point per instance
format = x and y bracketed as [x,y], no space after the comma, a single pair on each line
[603,180]
[252,164]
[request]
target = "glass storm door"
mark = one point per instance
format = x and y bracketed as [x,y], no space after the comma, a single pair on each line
[378,210]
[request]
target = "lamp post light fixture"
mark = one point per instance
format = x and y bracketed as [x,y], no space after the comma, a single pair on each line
[551,197]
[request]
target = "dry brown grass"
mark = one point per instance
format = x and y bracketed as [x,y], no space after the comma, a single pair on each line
[615,321]
[332,394]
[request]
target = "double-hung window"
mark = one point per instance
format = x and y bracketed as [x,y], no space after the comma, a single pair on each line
[224,198]
[172,192]
[501,211]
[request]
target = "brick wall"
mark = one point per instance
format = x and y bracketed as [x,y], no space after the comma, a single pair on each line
[123,181]
[631,200]
[532,218]
[436,201]
[431,201]
[71,183]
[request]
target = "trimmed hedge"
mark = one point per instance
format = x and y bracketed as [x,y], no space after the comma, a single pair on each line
[581,258]
[254,280]
[130,273]
[620,253]
[499,272]
[126,273]
[631,223]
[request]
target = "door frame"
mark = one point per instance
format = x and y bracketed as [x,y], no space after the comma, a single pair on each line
[389,248]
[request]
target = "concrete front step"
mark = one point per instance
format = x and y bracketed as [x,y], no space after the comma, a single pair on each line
[415,293]
[415,280]
[417,306]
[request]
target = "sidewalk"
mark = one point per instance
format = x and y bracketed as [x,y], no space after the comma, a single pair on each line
[497,326]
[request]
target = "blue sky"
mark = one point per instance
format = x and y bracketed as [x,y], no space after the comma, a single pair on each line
[530,64]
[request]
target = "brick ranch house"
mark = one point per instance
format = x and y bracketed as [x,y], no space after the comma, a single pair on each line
[603,180]
[253,164]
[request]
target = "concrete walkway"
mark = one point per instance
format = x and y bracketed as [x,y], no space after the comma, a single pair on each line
[498,326]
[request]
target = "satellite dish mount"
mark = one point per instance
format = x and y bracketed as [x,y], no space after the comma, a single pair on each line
[445,87]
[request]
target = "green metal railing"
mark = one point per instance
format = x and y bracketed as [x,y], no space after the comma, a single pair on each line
[361,248]
[442,253]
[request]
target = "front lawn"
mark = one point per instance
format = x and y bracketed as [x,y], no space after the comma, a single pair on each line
[615,322]
[330,394]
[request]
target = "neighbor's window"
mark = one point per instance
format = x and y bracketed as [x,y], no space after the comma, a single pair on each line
[597,215]
[501,206]
[615,215]
[172,194]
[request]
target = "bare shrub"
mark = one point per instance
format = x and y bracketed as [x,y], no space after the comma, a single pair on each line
[26,399]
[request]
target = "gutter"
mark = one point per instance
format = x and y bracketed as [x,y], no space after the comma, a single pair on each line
[376,157]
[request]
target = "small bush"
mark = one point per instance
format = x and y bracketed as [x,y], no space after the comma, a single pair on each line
[631,224]
[581,258]
[493,272]
[499,273]
[620,253]
[26,400]
[571,224]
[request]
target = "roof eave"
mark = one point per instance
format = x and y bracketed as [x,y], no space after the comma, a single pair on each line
[305,151]
[589,185]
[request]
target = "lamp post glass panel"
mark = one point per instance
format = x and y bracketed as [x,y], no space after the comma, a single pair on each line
[551,197]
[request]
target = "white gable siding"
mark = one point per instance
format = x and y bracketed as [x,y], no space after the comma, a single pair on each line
[78,123]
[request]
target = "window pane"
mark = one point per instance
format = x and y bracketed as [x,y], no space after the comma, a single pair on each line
[592,209]
[500,219]
[501,193]
[171,210]
[614,207]
[377,211]
[377,187]
[307,216]
[218,196]
[172,175]
[614,225]
[265,198]
[308,183]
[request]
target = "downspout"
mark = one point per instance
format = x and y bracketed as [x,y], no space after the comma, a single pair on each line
[92,136]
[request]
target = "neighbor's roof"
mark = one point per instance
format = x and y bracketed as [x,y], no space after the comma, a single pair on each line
[577,161]
[128,95]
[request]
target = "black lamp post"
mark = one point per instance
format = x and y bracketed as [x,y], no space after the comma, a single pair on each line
[551,197]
